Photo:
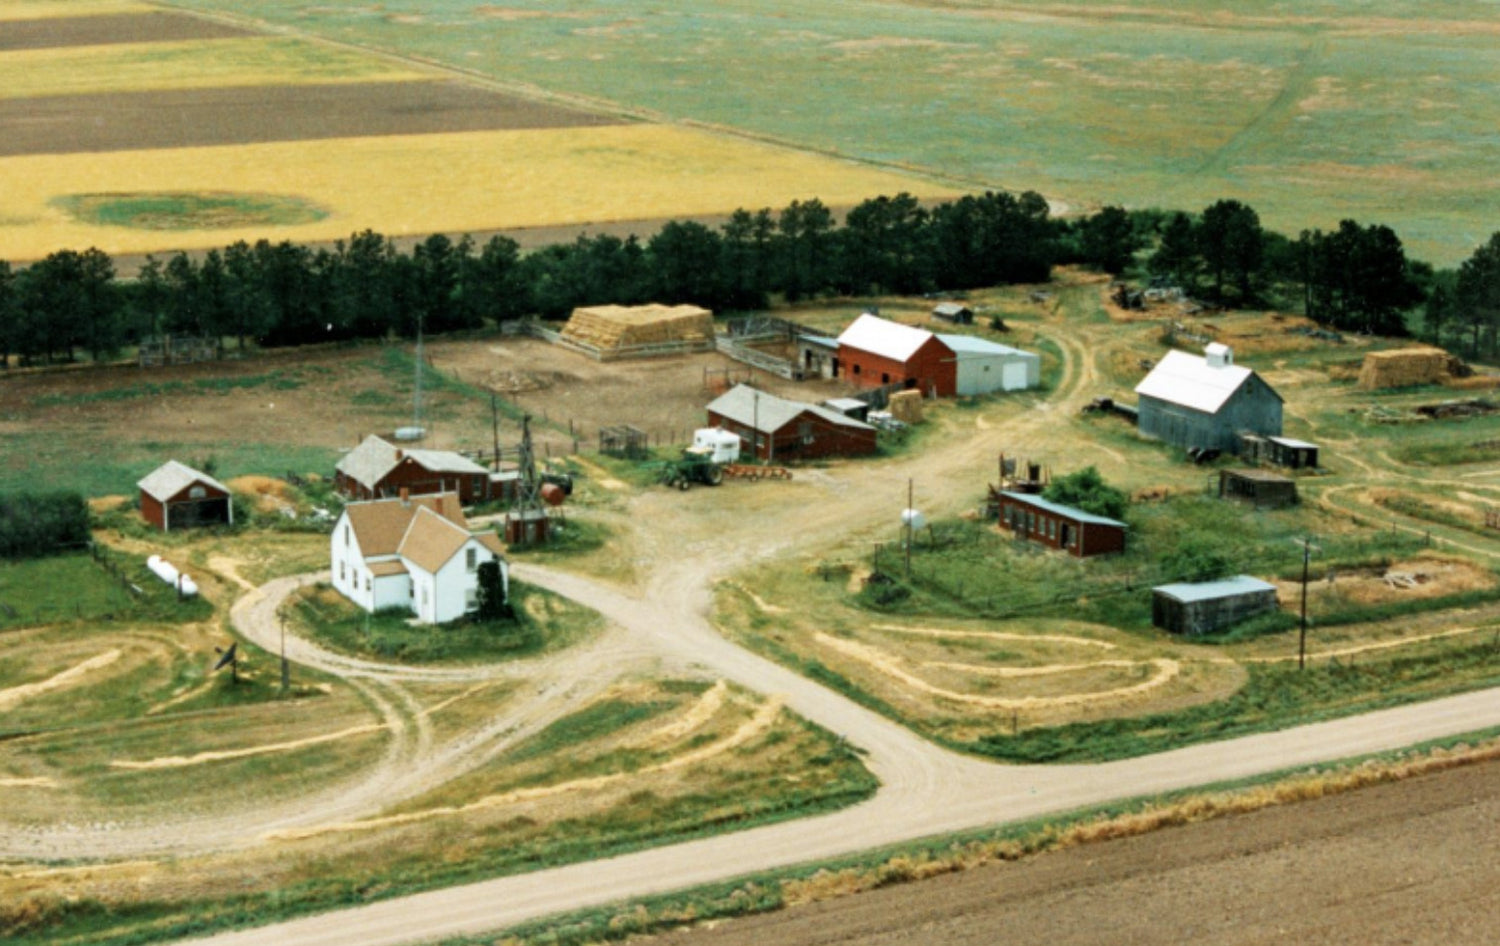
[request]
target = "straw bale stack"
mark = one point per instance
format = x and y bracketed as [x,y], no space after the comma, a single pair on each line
[609,327]
[906,406]
[1404,367]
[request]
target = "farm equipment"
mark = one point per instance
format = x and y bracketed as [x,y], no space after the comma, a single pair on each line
[711,459]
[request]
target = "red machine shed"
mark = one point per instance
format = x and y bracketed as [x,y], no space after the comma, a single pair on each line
[777,429]
[176,496]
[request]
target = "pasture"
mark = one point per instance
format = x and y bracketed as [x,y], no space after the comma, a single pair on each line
[1381,112]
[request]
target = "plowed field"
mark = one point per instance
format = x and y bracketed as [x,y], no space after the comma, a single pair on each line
[1407,862]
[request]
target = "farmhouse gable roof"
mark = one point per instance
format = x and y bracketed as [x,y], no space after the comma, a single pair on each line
[431,540]
[172,477]
[380,524]
[1190,381]
[768,413]
[871,333]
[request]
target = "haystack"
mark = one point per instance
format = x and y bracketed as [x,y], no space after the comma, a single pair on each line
[906,406]
[611,327]
[1404,368]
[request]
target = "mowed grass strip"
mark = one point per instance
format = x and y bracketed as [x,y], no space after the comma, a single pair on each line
[58,9]
[462,182]
[190,64]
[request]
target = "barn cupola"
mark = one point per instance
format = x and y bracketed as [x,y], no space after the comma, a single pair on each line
[1218,356]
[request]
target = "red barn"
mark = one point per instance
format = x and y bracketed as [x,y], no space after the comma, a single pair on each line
[1057,526]
[875,352]
[377,469]
[788,430]
[176,496]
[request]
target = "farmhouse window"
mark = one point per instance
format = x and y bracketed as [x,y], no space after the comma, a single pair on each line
[1051,528]
[346,535]
[470,559]
[342,576]
[471,599]
[856,369]
[804,430]
[367,582]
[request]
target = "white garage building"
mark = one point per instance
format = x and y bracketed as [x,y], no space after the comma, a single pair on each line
[984,366]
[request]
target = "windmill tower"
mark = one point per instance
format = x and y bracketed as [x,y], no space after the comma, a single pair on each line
[526,523]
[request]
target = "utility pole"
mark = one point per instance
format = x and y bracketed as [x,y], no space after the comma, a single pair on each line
[1307,546]
[909,536]
[495,427]
[286,674]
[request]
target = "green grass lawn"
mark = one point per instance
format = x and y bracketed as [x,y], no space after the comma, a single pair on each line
[1379,111]
[543,622]
[74,587]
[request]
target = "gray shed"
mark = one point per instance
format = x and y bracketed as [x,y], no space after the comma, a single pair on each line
[1206,403]
[1205,606]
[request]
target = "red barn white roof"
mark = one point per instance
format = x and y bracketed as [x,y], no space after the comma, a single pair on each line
[881,337]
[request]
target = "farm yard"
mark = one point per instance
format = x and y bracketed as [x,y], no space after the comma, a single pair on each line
[845,671]
[464,760]
[187,104]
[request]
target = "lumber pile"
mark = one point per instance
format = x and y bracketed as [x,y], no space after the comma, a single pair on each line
[609,327]
[906,406]
[1404,368]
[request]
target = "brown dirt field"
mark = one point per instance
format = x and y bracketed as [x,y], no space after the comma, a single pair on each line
[662,396]
[133,121]
[57,32]
[1404,862]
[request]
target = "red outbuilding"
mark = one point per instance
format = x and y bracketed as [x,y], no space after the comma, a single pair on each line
[1057,526]
[378,469]
[176,496]
[874,352]
[775,429]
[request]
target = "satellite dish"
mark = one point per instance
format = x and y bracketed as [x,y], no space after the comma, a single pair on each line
[230,658]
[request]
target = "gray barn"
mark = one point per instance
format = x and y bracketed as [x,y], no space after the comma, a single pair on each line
[1206,402]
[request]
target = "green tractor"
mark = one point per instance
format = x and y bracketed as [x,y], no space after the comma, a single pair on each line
[697,465]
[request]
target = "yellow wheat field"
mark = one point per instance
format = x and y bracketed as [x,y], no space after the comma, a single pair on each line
[190,64]
[47,9]
[462,182]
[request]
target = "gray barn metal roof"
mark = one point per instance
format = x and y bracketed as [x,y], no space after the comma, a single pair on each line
[1190,381]
[1189,592]
[969,345]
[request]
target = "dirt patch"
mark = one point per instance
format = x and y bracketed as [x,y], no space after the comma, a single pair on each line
[1432,577]
[567,391]
[131,121]
[105,29]
[271,495]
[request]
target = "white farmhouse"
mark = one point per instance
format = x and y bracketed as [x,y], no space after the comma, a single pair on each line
[413,552]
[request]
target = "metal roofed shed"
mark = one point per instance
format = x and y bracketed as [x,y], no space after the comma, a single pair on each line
[983,366]
[176,496]
[849,407]
[776,428]
[1054,525]
[955,312]
[1207,606]
[1261,488]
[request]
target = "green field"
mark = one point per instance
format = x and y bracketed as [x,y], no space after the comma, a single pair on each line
[1381,111]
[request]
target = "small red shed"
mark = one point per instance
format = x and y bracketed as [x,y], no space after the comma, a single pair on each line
[1057,526]
[875,352]
[176,496]
[379,469]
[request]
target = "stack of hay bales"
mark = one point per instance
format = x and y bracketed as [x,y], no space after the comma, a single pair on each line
[906,406]
[612,327]
[1404,368]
